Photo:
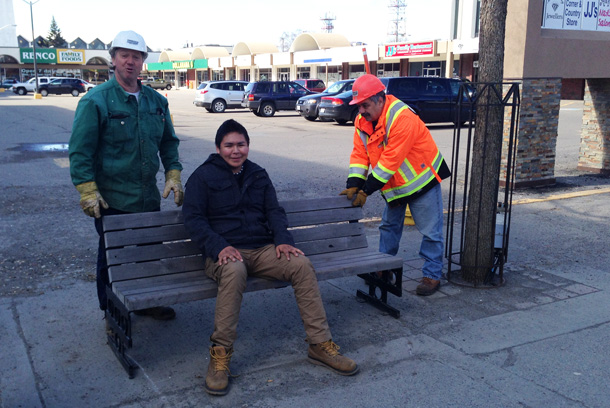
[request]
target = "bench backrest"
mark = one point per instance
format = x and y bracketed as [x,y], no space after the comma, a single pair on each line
[157,243]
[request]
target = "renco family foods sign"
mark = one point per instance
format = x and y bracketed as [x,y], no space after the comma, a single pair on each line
[587,15]
[52,56]
[410,49]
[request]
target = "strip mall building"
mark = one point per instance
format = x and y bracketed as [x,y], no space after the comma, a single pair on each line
[555,49]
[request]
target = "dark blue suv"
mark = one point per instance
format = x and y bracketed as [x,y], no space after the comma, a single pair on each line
[434,99]
[264,98]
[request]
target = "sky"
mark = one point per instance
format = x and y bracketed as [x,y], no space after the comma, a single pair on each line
[172,24]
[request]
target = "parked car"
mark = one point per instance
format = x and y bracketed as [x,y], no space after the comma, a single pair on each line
[314,85]
[88,85]
[156,83]
[8,83]
[337,108]
[434,99]
[60,86]
[22,88]
[216,96]
[308,106]
[264,98]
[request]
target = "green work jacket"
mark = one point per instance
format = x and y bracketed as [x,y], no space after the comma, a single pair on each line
[117,142]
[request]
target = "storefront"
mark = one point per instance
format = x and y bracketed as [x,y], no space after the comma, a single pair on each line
[90,65]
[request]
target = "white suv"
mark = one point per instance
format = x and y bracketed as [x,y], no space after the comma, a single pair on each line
[22,88]
[216,96]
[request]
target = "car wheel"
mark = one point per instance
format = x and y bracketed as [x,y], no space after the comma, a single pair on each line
[219,106]
[44,92]
[341,121]
[21,91]
[267,110]
[311,118]
[75,92]
[168,87]
[209,110]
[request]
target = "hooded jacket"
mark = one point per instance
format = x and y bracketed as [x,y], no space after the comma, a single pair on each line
[219,213]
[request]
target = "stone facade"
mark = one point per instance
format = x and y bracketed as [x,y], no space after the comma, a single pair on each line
[537,132]
[594,153]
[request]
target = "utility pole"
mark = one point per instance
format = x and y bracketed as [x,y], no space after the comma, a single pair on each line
[328,25]
[398,29]
[33,44]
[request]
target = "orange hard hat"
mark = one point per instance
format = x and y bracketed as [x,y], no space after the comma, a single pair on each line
[364,87]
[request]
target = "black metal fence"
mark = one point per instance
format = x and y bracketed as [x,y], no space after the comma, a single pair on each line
[480,102]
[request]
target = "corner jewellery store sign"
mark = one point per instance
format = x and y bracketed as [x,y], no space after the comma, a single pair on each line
[52,56]
[583,15]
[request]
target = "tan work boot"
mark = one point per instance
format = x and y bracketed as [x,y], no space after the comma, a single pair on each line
[427,286]
[327,355]
[217,379]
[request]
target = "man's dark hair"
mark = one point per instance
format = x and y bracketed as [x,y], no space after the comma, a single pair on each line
[378,97]
[230,126]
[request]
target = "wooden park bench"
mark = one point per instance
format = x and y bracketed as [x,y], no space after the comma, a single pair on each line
[152,261]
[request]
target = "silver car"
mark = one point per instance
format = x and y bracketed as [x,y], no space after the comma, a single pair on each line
[216,96]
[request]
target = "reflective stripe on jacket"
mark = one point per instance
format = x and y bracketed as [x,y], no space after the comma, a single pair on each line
[400,150]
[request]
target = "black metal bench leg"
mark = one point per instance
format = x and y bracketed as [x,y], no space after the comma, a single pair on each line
[118,330]
[390,281]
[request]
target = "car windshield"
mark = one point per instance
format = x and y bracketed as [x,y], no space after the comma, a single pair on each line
[336,87]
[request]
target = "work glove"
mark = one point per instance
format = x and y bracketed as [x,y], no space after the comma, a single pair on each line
[173,183]
[90,199]
[350,192]
[360,199]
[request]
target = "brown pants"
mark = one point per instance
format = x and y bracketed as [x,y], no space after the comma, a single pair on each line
[263,263]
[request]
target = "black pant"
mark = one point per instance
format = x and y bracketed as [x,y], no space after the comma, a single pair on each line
[102,265]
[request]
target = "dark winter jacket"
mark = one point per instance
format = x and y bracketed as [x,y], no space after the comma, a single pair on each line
[218,213]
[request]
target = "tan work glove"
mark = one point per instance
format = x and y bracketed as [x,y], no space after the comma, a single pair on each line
[173,183]
[90,199]
[360,199]
[350,192]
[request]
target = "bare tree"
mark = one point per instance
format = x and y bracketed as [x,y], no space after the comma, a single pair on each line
[287,38]
[487,148]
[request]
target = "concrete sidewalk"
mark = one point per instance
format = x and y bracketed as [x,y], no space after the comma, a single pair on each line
[538,341]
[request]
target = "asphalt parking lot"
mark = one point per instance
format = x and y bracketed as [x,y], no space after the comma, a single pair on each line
[538,341]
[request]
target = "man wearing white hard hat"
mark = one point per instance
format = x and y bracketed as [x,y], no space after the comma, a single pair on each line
[121,134]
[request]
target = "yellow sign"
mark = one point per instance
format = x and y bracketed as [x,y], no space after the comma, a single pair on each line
[67,56]
[182,65]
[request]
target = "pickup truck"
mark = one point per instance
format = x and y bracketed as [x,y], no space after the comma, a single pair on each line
[156,83]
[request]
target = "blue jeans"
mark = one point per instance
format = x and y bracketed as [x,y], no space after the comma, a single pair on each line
[427,212]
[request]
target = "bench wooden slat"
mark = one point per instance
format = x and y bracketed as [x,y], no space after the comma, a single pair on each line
[332,245]
[315,204]
[324,216]
[150,235]
[142,220]
[151,252]
[160,291]
[169,266]
[322,232]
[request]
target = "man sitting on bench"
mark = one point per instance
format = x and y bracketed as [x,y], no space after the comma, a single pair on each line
[231,211]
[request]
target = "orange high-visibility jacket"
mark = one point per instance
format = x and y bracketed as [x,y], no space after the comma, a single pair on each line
[400,150]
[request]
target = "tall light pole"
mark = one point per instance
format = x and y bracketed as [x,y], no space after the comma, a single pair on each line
[33,44]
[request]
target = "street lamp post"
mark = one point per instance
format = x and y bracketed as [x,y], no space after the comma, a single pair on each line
[33,44]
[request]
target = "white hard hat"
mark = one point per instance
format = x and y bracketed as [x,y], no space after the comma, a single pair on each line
[131,41]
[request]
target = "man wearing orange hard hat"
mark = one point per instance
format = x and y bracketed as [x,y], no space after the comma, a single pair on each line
[407,167]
